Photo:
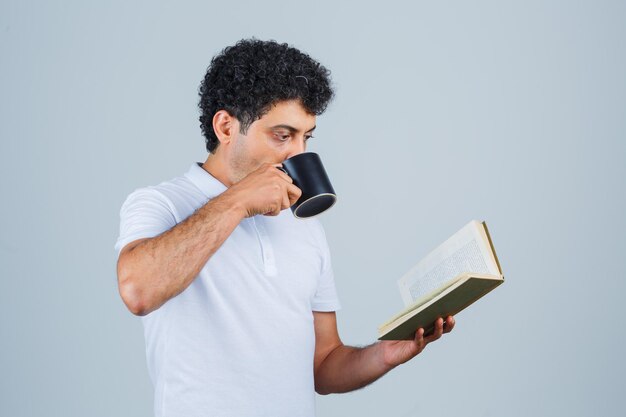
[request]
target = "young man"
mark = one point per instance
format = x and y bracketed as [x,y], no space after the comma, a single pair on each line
[237,296]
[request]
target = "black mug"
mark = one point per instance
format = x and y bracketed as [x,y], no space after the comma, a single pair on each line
[308,174]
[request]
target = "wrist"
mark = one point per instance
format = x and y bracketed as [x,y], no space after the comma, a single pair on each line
[233,204]
[382,357]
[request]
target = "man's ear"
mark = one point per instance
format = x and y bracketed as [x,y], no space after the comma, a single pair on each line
[225,126]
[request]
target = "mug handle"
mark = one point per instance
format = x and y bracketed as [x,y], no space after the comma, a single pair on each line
[284,170]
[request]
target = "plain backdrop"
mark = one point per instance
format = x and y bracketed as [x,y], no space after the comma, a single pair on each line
[509,112]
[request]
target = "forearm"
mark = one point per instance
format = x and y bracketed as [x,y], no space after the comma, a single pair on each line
[158,269]
[349,368]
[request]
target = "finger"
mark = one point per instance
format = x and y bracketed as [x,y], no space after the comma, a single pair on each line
[419,339]
[294,194]
[419,333]
[449,324]
[274,208]
[439,326]
[437,332]
[266,166]
[282,173]
[286,203]
[274,212]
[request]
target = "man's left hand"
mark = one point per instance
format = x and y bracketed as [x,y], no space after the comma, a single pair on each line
[396,352]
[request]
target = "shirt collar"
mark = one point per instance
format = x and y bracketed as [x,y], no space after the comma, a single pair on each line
[207,183]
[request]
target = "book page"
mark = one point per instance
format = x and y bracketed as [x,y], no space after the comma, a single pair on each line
[423,299]
[465,251]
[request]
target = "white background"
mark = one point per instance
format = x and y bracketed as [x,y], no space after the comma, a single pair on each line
[445,112]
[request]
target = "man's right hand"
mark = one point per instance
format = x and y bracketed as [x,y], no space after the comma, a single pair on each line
[267,190]
[153,270]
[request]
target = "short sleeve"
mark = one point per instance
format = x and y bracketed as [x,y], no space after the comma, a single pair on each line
[325,298]
[145,213]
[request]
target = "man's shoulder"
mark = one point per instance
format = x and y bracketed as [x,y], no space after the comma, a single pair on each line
[179,194]
[178,186]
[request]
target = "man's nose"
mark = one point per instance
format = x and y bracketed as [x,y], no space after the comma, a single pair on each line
[298,147]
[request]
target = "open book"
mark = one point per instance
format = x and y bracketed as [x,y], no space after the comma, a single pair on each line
[454,275]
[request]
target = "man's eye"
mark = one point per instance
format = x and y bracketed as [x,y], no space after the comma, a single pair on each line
[308,137]
[282,138]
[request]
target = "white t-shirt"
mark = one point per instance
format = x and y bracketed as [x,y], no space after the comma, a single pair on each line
[240,340]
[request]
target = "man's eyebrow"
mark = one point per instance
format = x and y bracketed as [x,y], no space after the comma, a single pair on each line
[291,128]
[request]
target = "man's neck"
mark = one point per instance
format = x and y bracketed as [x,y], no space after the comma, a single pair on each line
[215,166]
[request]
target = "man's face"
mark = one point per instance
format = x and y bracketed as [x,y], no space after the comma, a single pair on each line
[280,134]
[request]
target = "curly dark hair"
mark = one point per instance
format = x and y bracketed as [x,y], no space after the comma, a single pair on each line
[246,79]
